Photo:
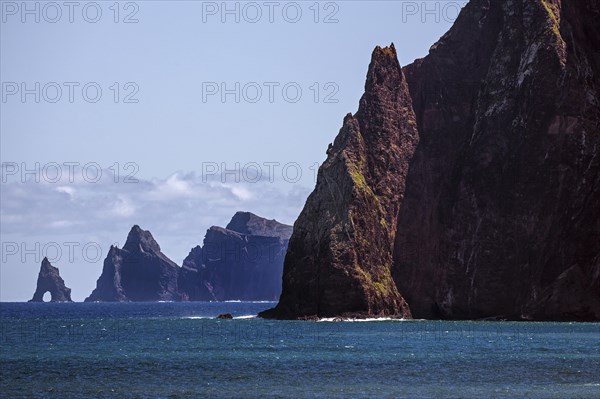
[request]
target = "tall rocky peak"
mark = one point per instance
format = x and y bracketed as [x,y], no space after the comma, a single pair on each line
[475,180]
[141,240]
[137,272]
[49,280]
[339,259]
[251,224]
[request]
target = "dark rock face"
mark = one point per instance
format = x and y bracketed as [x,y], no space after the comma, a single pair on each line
[499,206]
[137,272]
[339,260]
[49,280]
[242,262]
[502,209]
[191,281]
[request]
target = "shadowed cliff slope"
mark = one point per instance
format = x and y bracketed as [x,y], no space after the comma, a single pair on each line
[502,205]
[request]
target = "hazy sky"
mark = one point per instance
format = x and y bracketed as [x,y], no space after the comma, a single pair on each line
[114,114]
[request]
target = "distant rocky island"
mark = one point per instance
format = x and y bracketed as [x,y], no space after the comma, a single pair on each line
[137,272]
[243,261]
[49,280]
[467,185]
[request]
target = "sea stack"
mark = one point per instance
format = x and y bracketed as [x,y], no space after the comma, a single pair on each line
[137,272]
[339,261]
[49,280]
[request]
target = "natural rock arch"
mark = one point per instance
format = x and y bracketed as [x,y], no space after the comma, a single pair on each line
[49,280]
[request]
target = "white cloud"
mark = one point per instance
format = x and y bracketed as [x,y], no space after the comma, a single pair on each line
[59,224]
[172,188]
[67,190]
[242,193]
[122,207]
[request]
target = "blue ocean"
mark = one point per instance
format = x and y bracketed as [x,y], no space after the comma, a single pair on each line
[179,350]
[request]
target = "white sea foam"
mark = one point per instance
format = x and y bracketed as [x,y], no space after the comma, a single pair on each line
[249,316]
[354,320]
[240,301]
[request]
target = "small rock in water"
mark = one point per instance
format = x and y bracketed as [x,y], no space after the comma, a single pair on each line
[225,316]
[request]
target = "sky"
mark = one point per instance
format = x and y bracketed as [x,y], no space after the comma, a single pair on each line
[173,115]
